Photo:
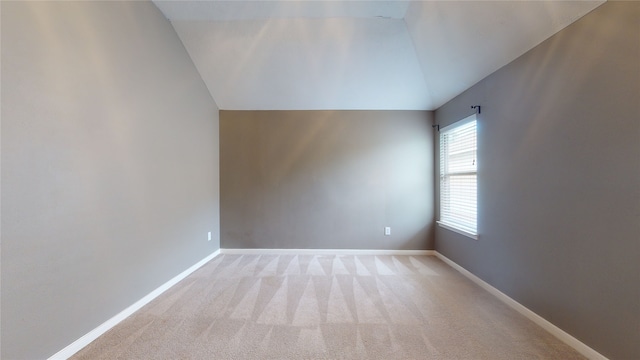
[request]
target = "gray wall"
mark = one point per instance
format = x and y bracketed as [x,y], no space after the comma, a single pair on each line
[559,180]
[326,179]
[109,166]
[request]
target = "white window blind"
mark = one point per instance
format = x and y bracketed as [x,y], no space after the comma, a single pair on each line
[458,176]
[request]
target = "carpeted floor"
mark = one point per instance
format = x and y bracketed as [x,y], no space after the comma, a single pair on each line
[326,307]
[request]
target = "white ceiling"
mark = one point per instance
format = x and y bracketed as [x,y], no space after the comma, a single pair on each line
[377,55]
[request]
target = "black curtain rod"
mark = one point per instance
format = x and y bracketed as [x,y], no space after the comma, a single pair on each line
[477,108]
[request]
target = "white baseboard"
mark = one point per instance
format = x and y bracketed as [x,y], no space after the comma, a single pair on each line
[324,252]
[542,322]
[85,340]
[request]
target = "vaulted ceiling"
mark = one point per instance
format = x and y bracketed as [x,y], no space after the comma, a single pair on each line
[341,55]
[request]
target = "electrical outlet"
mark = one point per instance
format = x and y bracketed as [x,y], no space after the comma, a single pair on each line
[209,236]
[387,231]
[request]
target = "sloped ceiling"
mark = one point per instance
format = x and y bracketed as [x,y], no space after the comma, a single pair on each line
[342,55]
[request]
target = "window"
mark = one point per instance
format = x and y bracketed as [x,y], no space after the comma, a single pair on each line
[458,177]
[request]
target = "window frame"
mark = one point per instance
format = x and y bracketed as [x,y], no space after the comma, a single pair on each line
[448,225]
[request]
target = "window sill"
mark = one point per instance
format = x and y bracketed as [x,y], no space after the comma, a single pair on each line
[458,230]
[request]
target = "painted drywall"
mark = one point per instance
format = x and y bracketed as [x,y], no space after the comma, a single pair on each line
[559,180]
[326,179]
[361,55]
[109,166]
[307,63]
[458,43]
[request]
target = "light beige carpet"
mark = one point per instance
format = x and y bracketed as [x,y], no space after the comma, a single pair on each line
[326,307]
